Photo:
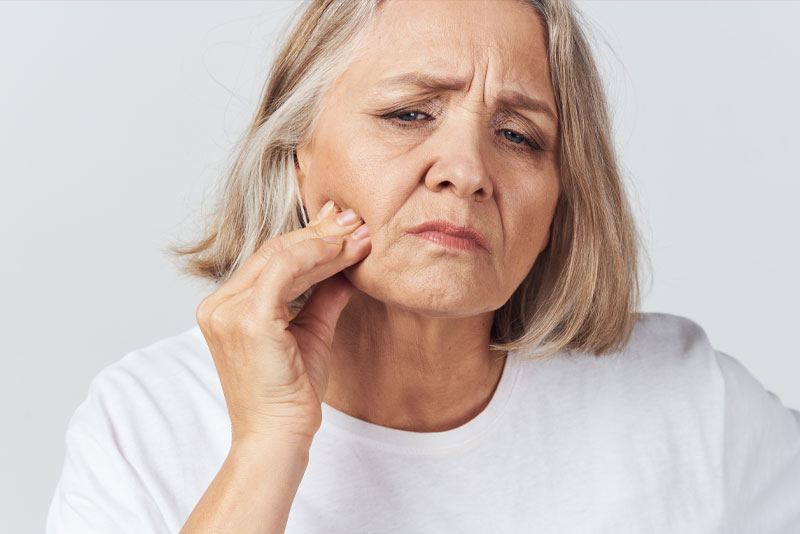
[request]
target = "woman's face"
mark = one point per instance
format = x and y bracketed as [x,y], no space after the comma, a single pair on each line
[401,152]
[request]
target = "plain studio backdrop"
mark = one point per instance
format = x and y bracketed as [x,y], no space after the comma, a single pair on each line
[117,119]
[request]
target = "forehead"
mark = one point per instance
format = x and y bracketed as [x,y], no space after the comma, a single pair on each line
[455,39]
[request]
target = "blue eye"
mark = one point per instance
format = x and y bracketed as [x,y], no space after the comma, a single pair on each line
[417,113]
[516,138]
[522,140]
[512,133]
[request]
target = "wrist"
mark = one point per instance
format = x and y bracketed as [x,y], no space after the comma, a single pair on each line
[259,446]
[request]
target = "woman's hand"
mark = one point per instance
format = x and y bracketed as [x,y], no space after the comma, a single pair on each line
[274,368]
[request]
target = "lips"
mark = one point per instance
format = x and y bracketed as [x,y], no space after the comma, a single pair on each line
[449,228]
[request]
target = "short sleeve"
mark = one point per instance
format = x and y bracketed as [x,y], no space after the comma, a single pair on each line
[761,455]
[99,491]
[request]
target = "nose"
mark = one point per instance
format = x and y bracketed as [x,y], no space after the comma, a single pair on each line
[460,163]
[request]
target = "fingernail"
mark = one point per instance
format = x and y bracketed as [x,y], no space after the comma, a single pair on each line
[348,216]
[325,210]
[361,232]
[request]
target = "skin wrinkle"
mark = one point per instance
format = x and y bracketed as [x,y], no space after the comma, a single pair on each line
[411,347]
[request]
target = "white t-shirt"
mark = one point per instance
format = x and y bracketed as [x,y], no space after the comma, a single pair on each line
[668,435]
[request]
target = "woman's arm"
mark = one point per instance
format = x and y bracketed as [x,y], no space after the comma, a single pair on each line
[273,368]
[253,490]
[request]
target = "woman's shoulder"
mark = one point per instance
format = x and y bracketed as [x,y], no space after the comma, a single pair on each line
[670,387]
[158,400]
[667,338]
[662,347]
[165,371]
[168,386]
[175,376]
[670,376]
[672,357]
[171,354]
[666,345]
[758,436]
[147,439]
[678,347]
[670,349]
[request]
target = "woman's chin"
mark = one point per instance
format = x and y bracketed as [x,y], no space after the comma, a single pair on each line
[437,293]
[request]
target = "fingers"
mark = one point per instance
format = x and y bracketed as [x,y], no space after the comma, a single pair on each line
[291,271]
[327,208]
[324,223]
[321,312]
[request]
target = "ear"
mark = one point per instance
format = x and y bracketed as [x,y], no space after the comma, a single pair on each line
[298,171]
[301,166]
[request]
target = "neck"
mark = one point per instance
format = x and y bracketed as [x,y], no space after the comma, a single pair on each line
[401,369]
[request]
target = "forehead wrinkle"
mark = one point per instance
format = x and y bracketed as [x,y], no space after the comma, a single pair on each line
[438,82]
[464,48]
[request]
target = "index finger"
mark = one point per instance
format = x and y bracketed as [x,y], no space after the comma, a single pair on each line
[250,270]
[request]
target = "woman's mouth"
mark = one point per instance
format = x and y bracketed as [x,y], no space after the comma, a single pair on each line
[451,235]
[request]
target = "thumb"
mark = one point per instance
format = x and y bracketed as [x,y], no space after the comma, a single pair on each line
[322,309]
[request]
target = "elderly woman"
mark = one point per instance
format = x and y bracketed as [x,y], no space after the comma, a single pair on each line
[451,343]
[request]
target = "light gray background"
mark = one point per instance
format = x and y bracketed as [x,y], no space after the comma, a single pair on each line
[116,118]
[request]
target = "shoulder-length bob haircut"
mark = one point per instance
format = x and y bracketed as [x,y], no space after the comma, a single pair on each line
[582,294]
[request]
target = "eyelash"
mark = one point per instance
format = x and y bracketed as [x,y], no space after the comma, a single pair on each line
[534,146]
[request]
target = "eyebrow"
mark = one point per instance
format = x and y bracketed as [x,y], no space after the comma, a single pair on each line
[439,82]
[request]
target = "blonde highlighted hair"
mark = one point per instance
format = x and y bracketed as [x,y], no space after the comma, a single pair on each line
[582,294]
